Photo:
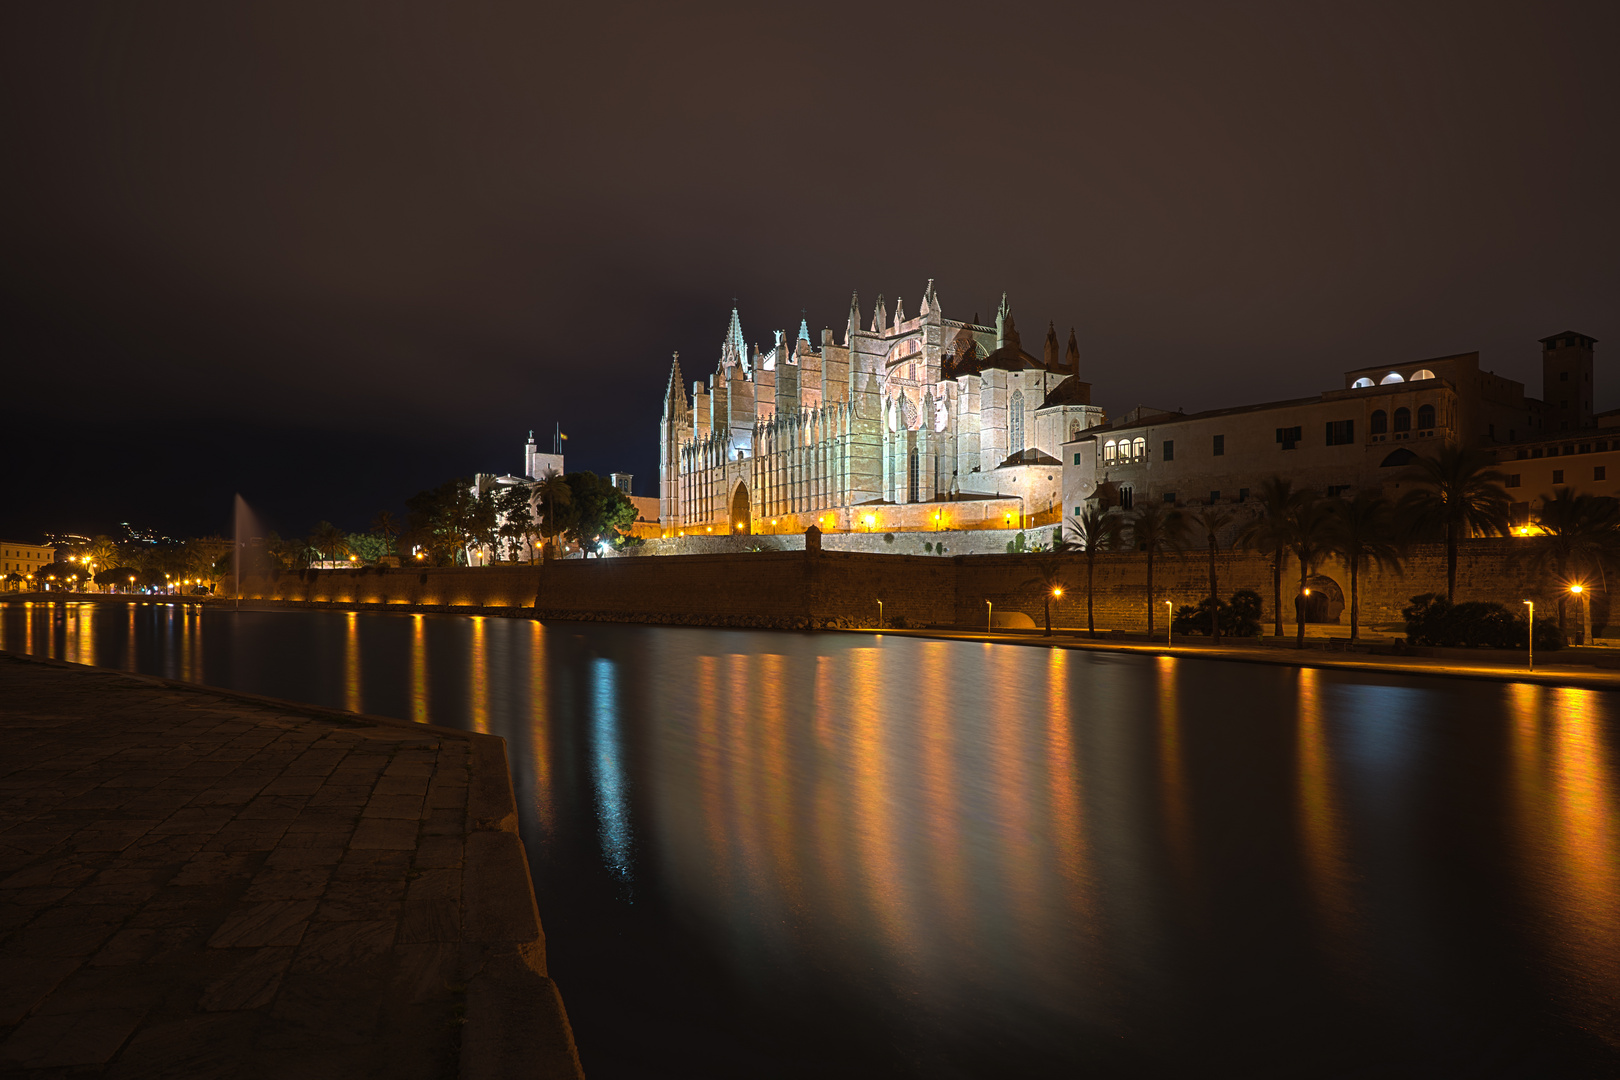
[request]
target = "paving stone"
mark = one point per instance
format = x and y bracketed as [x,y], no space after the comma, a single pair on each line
[196,886]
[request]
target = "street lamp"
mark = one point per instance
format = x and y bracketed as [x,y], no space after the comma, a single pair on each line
[1531,636]
[989,616]
[1169,613]
[880,614]
[1586,611]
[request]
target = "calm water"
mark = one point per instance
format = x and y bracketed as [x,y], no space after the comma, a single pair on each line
[764,854]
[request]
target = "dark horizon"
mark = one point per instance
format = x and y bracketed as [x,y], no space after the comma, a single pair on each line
[331,256]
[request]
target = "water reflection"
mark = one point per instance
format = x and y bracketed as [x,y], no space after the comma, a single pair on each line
[607,770]
[879,856]
[1565,796]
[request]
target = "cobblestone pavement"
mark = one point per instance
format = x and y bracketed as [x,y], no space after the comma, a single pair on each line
[196,885]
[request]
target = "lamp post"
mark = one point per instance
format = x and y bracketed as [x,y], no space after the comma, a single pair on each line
[1057,591]
[1169,611]
[880,614]
[1586,611]
[1531,636]
[989,617]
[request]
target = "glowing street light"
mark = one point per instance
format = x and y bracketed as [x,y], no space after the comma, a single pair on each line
[989,616]
[880,614]
[1169,612]
[1586,611]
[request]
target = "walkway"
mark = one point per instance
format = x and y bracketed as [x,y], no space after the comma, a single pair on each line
[1560,668]
[204,884]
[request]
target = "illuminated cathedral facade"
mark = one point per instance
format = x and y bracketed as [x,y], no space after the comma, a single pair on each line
[912,423]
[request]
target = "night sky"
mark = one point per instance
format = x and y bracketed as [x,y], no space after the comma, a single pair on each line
[330,254]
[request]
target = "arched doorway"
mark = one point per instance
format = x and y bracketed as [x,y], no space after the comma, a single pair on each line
[742,519]
[1325,601]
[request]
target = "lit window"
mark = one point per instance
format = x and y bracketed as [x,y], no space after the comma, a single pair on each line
[1360,384]
[1108,450]
[1392,377]
[1421,373]
[1139,449]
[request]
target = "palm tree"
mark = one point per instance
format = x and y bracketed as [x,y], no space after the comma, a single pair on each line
[556,499]
[1155,529]
[1362,530]
[1458,493]
[1211,520]
[1093,531]
[385,526]
[1580,534]
[329,541]
[1306,532]
[1049,576]
[1267,534]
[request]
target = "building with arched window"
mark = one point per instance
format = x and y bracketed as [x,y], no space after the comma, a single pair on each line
[908,423]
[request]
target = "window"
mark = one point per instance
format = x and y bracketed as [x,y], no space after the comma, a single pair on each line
[1108,451]
[1360,384]
[1288,436]
[1403,419]
[1586,448]
[1169,450]
[1341,432]
[1425,417]
[1538,452]
[1603,444]
[1380,422]
[1170,497]
[1600,472]
[1125,497]
[1220,445]
[1077,457]
[1558,476]
[1392,377]
[1015,422]
[1214,497]
[1421,373]
[1243,494]
[1513,480]
[1139,449]
[914,477]
[1079,510]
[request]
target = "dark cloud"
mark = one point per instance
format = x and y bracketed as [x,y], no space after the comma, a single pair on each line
[400,235]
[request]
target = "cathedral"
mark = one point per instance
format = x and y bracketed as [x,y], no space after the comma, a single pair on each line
[918,423]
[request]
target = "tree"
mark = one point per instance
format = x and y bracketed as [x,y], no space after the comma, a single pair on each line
[514,516]
[1093,531]
[1050,577]
[1458,493]
[385,528]
[1362,530]
[556,501]
[601,510]
[1210,520]
[368,546]
[1266,533]
[329,542]
[1580,534]
[446,520]
[1306,534]
[1155,529]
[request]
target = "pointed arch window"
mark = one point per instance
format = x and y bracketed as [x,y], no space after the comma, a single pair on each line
[1015,422]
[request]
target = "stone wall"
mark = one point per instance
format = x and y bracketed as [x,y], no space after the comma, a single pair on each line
[792,589]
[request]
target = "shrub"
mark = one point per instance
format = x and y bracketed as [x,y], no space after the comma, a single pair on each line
[1433,620]
[928,546]
[1239,616]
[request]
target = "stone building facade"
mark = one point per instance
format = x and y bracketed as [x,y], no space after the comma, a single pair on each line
[1360,435]
[920,423]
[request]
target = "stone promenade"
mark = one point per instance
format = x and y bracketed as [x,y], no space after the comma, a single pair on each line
[195,884]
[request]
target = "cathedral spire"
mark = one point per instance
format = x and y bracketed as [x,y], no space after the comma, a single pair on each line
[674,396]
[880,317]
[734,336]
[804,327]
[1006,331]
[1051,352]
[930,301]
[1071,356]
[854,323]
[899,312]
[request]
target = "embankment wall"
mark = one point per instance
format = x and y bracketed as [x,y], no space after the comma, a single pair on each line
[842,588]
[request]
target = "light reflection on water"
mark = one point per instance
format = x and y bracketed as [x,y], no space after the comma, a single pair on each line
[881,856]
